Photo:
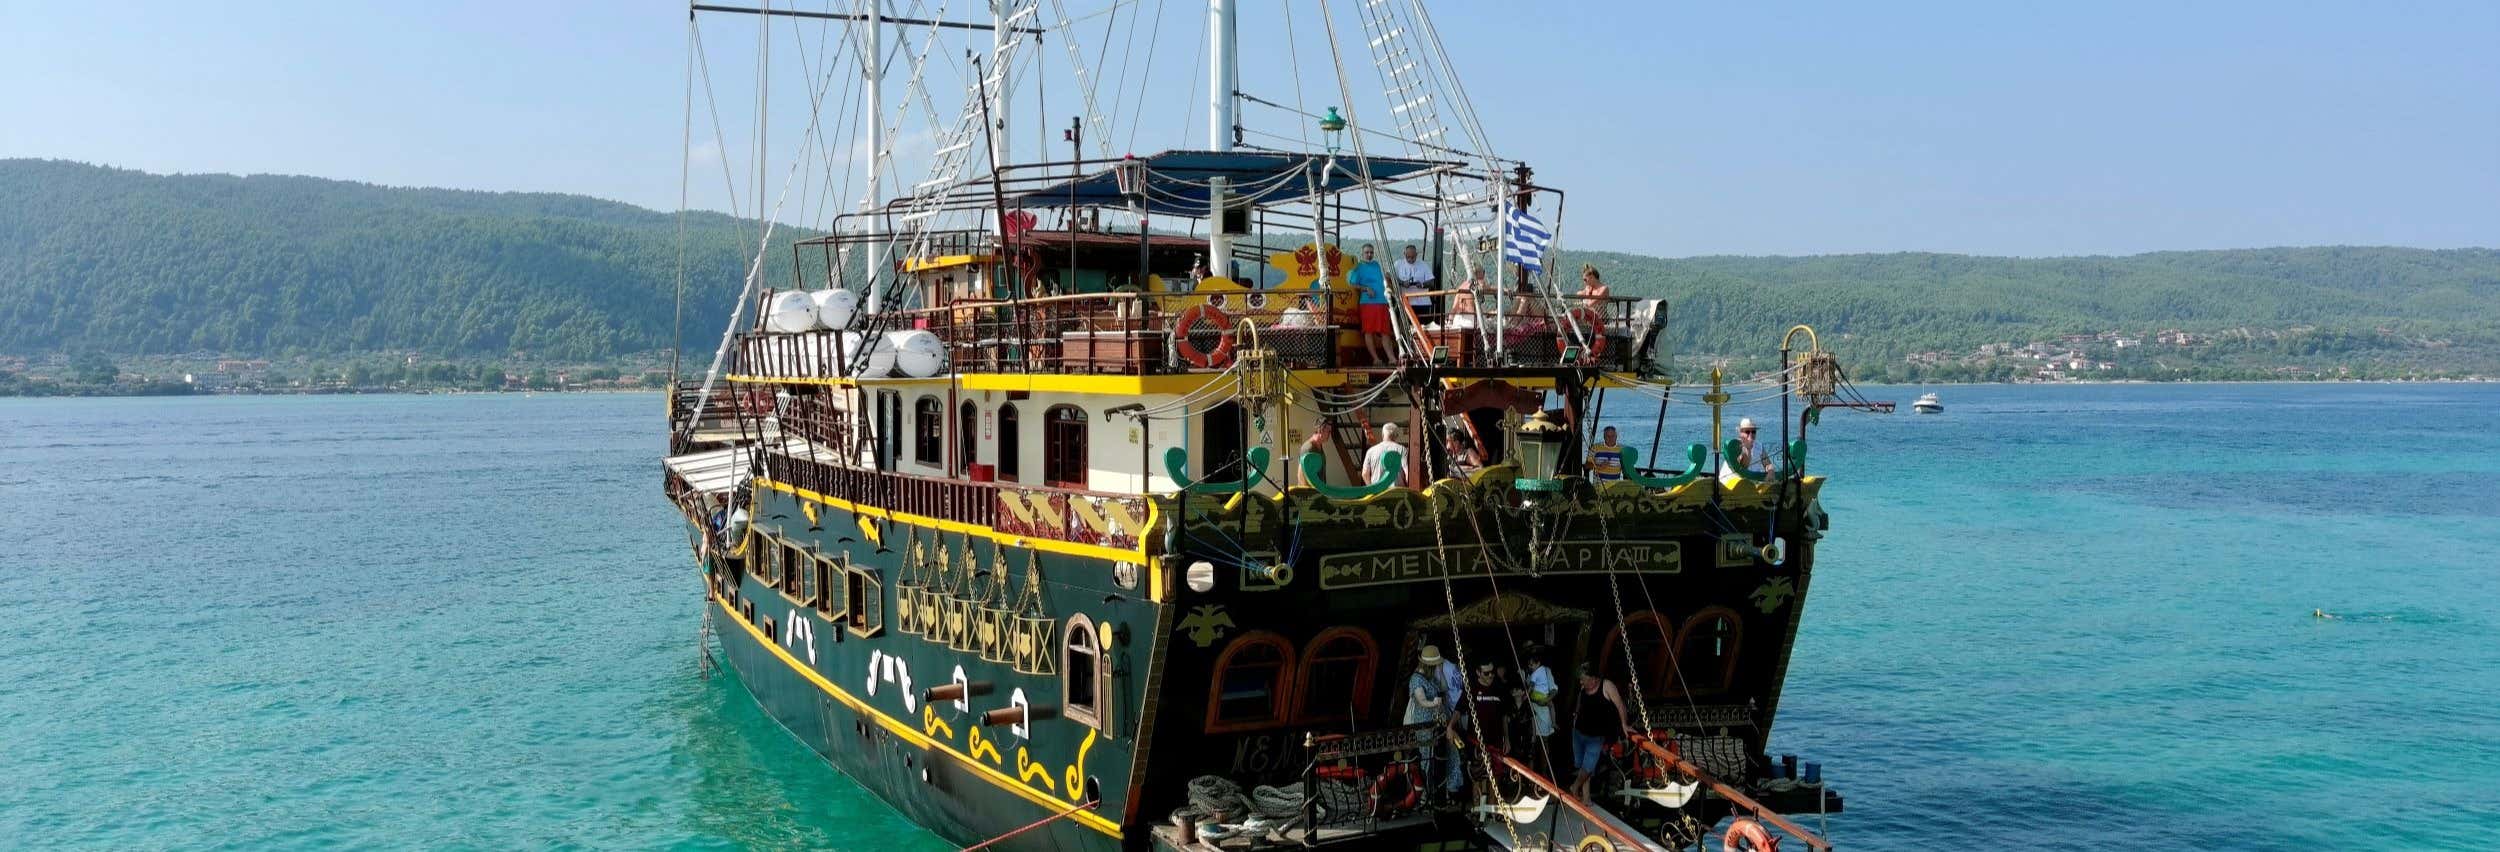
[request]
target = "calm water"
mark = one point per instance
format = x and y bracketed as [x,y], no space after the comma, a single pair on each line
[2063,617]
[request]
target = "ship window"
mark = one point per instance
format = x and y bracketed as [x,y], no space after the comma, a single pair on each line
[767,553]
[803,577]
[1064,457]
[1335,682]
[867,599]
[830,586]
[1010,444]
[1706,650]
[1646,632]
[1251,683]
[1080,673]
[928,432]
[967,436]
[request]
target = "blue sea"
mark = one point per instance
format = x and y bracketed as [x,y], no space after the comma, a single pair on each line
[2067,617]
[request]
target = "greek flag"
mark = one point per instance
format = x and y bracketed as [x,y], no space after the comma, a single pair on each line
[1524,240]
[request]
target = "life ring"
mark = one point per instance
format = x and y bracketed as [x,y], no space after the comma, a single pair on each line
[1588,317]
[1756,838]
[1382,803]
[1204,359]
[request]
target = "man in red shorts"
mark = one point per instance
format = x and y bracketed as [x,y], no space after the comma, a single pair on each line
[1371,288]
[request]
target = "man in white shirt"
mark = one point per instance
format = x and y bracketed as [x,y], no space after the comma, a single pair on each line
[1415,277]
[1375,459]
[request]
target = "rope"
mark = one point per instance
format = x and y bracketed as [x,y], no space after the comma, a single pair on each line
[1071,811]
[1458,647]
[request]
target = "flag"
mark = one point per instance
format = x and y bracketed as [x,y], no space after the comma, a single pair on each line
[1524,240]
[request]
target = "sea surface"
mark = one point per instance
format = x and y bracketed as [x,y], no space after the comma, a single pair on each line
[2060,617]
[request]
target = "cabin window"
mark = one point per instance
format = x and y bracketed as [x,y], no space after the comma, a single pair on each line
[1251,683]
[1706,650]
[967,436]
[803,578]
[928,444]
[866,596]
[765,552]
[1335,682]
[1081,673]
[1010,444]
[1646,633]
[831,587]
[1064,457]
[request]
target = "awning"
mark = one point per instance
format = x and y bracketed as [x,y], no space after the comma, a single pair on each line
[713,471]
[1176,181]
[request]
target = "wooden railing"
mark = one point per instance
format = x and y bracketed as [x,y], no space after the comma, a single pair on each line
[1108,519]
[1734,796]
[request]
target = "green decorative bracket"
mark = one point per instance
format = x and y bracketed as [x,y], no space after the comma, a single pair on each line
[1697,455]
[1796,458]
[1176,463]
[1735,449]
[1315,470]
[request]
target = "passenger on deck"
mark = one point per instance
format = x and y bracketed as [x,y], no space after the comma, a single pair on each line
[1426,701]
[1463,311]
[1489,711]
[1415,280]
[1606,458]
[1593,289]
[1527,320]
[1596,721]
[1316,443]
[1372,289]
[1540,693]
[1375,459]
[1462,455]
[1303,314]
[1751,454]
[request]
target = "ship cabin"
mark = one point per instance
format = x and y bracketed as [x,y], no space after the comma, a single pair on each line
[1098,463]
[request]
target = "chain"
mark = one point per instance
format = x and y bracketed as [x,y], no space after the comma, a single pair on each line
[1449,596]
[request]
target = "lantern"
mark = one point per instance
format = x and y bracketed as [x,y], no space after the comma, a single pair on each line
[1332,128]
[1539,446]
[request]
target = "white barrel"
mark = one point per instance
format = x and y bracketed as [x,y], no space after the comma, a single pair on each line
[846,350]
[918,353]
[790,313]
[835,307]
[880,357]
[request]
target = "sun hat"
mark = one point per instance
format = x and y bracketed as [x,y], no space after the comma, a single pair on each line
[1432,656]
[1744,424]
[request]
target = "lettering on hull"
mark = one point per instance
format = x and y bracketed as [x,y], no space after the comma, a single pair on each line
[1414,565]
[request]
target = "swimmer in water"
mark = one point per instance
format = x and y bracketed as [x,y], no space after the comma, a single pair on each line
[2323,614]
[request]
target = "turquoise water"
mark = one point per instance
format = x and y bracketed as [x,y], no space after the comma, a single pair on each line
[2055,617]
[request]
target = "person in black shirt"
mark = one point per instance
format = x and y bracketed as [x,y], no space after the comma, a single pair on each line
[1595,723]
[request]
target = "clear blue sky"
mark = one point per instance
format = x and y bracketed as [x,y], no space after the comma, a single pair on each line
[1681,128]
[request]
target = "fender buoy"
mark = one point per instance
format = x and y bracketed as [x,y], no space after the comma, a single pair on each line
[1204,359]
[1589,318]
[1383,802]
[1755,837]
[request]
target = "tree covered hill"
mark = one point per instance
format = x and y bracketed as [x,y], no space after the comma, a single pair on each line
[95,259]
[124,262]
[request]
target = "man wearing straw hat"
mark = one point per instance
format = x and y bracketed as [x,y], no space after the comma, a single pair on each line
[1750,455]
[1428,701]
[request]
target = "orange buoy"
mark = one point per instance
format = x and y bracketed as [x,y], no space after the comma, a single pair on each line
[1755,837]
[1222,354]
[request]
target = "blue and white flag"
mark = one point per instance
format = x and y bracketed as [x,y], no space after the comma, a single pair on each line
[1524,240]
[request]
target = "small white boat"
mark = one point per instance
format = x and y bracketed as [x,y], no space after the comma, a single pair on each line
[1927,404]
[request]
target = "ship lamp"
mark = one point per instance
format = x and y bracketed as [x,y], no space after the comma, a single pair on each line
[1540,443]
[1332,128]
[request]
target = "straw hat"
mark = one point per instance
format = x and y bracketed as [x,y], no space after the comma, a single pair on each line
[1744,424]
[1432,656]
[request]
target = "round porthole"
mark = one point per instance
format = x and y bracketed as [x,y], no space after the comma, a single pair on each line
[1125,574]
[1201,576]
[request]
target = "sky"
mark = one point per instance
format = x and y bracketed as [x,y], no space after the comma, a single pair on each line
[1677,128]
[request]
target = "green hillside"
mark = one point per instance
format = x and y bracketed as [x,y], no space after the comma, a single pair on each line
[102,260]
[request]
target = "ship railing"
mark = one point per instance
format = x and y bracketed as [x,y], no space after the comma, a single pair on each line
[1486,329]
[1362,783]
[691,412]
[800,464]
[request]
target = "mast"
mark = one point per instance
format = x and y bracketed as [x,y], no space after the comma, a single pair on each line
[1000,11]
[875,107]
[1221,82]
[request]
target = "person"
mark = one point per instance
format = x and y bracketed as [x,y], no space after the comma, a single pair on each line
[1372,306]
[1427,702]
[1376,459]
[1489,712]
[1528,321]
[1415,278]
[1593,289]
[1302,315]
[1540,695]
[1463,311]
[1316,443]
[1198,270]
[1461,453]
[1596,720]
[1606,458]
[1750,453]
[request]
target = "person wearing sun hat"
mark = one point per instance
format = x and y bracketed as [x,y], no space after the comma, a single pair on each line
[1427,701]
[1750,454]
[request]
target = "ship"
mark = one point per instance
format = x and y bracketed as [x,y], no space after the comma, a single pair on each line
[1118,502]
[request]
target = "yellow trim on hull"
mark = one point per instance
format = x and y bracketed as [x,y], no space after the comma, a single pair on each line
[914,736]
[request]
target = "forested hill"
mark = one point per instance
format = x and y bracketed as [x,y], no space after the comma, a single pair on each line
[112,261]
[125,262]
[1894,304]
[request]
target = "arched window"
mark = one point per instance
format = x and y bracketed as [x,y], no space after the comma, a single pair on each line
[1251,683]
[1010,444]
[1335,681]
[967,436]
[1064,457]
[1647,634]
[928,431]
[1082,674]
[1706,649]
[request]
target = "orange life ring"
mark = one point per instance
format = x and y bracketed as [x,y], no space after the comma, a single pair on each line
[1588,318]
[1204,312]
[1402,773]
[1757,838]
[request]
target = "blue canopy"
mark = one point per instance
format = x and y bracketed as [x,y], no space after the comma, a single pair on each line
[1176,181]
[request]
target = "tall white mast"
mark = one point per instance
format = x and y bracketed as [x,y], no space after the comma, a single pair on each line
[1000,12]
[875,106]
[1221,83]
